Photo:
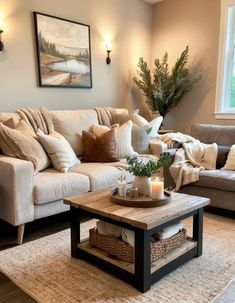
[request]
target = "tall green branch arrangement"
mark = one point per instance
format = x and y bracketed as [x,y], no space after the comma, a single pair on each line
[138,167]
[164,90]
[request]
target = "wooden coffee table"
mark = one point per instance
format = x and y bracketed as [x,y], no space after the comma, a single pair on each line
[144,222]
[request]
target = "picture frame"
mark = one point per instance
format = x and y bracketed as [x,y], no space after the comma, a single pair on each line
[63,52]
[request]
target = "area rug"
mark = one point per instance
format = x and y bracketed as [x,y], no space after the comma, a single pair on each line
[44,269]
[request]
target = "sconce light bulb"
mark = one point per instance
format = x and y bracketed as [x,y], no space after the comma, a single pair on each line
[108,47]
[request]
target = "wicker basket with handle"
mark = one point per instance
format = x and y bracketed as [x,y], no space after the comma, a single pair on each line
[123,251]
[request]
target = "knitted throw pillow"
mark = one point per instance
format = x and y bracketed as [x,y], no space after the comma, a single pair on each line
[20,143]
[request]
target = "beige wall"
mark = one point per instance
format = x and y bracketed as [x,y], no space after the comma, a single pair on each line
[128,23]
[196,23]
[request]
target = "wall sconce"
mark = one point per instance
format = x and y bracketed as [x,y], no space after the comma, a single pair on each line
[1,31]
[108,49]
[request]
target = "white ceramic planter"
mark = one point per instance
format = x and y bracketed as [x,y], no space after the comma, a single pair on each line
[143,184]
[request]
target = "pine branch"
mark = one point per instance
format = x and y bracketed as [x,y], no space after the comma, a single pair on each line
[165,90]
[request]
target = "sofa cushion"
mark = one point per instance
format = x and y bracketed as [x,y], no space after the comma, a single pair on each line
[154,124]
[51,185]
[20,143]
[230,162]
[59,150]
[221,134]
[141,139]
[71,123]
[123,136]
[101,175]
[99,148]
[222,156]
[220,179]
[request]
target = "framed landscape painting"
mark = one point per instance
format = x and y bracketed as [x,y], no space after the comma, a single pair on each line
[63,52]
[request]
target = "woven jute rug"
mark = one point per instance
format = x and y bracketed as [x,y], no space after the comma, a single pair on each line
[45,270]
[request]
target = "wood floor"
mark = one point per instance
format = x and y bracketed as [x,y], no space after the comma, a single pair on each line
[9,292]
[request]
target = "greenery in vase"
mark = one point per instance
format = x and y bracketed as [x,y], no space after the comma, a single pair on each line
[164,90]
[138,167]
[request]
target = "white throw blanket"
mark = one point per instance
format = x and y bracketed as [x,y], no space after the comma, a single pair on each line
[128,236]
[169,231]
[171,138]
[190,159]
[105,228]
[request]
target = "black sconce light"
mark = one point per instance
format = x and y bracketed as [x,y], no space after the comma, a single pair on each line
[1,43]
[108,49]
[1,31]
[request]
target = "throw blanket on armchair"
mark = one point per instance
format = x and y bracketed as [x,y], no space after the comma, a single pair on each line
[171,138]
[190,159]
[37,119]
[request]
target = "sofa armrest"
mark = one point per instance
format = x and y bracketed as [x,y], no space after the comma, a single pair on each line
[16,190]
[157,147]
[168,180]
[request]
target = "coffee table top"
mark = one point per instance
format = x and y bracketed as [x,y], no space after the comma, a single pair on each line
[99,202]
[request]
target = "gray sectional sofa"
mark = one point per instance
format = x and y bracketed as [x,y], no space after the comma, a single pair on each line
[25,197]
[218,185]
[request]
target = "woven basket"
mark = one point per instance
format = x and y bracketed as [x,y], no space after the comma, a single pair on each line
[123,251]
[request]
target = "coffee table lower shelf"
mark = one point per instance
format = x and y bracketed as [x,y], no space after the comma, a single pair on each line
[144,223]
[185,247]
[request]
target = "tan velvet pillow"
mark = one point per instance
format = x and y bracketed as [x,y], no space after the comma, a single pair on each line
[101,148]
[18,143]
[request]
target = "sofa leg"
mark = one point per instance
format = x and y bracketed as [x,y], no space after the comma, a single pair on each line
[21,233]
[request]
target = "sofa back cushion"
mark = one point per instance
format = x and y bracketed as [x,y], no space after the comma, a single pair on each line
[223,152]
[220,134]
[71,123]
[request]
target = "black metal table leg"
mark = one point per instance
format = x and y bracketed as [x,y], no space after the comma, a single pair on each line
[142,260]
[75,231]
[198,230]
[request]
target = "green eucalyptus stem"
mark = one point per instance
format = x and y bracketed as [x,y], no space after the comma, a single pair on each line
[138,167]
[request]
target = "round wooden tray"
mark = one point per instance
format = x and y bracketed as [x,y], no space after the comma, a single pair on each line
[144,202]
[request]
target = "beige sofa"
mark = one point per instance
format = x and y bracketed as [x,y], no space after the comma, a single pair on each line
[25,197]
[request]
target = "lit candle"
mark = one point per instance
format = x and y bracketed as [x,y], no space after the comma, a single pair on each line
[158,188]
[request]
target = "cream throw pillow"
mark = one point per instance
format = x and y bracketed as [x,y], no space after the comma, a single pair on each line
[141,139]
[59,150]
[21,143]
[99,130]
[123,136]
[142,122]
[230,163]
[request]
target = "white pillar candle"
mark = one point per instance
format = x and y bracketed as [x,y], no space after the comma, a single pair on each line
[158,188]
